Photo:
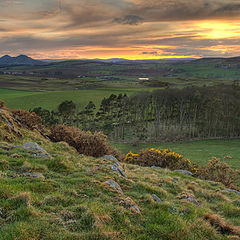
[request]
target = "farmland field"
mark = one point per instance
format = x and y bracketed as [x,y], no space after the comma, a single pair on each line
[50,100]
[199,151]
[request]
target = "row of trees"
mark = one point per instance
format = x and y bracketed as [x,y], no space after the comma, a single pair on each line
[163,114]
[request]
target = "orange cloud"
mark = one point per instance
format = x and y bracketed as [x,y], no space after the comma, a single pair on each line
[133,29]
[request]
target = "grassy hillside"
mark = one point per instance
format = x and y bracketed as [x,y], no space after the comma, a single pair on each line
[62,195]
[199,151]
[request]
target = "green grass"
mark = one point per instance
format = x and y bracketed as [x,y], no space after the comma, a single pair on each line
[73,203]
[206,70]
[199,151]
[72,200]
[7,94]
[50,100]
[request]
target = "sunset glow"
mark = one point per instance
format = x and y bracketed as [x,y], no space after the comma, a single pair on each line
[133,29]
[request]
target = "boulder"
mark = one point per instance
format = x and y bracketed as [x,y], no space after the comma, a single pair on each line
[128,203]
[232,191]
[185,172]
[35,149]
[156,198]
[116,167]
[33,175]
[32,147]
[114,185]
[154,167]
[175,180]
[191,199]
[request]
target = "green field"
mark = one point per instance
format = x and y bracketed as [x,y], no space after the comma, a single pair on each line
[50,100]
[199,151]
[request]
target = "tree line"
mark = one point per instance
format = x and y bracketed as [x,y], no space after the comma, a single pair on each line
[168,114]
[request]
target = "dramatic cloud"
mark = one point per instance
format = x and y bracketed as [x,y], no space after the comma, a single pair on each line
[129,19]
[133,29]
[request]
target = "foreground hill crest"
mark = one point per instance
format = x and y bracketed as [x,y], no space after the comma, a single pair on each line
[67,195]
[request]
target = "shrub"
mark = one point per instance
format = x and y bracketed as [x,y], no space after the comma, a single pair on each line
[87,143]
[29,120]
[160,158]
[218,171]
[2,104]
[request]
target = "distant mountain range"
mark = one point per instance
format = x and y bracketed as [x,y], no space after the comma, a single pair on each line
[25,60]
[122,60]
[19,60]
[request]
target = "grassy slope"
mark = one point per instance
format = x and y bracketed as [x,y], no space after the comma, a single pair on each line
[73,203]
[199,151]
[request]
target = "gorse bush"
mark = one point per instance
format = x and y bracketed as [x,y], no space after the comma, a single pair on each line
[160,158]
[2,104]
[29,120]
[216,170]
[219,171]
[87,143]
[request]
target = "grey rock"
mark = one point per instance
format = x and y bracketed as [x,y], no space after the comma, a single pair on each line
[15,146]
[122,172]
[117,164]
[34,175]
[10,125]
[232,191]
[42,155]
[158,168]
[116,167]
[114,185]
[109,157]
[36,149]
[175,180]
[156,198]
[32,147]
[185,172]
[135,207]
[191,199]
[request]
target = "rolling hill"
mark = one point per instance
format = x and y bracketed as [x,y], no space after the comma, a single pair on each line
[19,60]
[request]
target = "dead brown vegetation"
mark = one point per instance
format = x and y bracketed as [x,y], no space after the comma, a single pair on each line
[2,104]
[219,171]
[87,143]
[29,120]
[219,223]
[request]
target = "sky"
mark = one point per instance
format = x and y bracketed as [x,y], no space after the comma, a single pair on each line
[132,29]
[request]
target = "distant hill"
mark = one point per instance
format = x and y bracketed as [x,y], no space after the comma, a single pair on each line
[120,60]
[19,60]
[220,60]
